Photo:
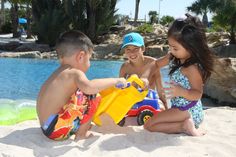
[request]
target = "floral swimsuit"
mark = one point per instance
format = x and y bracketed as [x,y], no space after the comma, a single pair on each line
[193,107]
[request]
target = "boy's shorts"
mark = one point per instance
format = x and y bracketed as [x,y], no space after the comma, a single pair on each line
[77,111]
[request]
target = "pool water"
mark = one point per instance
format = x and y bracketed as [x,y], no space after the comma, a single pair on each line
[21,79]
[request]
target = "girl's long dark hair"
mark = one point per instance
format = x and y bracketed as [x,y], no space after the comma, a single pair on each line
[190,34]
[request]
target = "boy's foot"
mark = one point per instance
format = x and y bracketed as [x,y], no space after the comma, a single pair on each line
[81,137]
[189,128]
[109,126]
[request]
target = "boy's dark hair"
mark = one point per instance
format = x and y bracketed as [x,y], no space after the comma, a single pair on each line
[190,34]
[71,41]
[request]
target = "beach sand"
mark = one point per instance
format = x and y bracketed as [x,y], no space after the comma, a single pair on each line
[26,139]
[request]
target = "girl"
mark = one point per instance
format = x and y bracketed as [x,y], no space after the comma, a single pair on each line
[191,63]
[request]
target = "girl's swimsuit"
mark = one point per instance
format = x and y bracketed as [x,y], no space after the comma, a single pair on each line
[193,107]
[77,111]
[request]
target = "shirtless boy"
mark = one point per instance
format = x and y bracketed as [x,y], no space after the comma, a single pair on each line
[68,100]
[137,63]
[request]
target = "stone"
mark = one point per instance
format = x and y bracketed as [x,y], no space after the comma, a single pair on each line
[11,46]
[222,83]
[226,50]
[30,54]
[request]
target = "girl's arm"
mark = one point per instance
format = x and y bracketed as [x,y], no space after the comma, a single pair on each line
[96,85]
[155,70]
[194,76]
[196,83]
[163,61]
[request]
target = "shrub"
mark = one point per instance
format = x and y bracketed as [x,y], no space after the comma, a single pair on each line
[145,28]
[6,28]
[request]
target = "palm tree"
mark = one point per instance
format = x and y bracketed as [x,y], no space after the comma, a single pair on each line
[201,7]
[165,20]
[91,14]
[2,12]
[225,16]
[153,16]
[136,11]
[14,16]
[28,17]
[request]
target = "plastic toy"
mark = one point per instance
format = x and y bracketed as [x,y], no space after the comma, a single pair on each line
[116,102]
[144,109]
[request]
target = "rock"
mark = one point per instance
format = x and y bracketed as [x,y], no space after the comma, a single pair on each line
[117,28]
[215,39]
[11,46]
[31,54]
[49,55]
[159,29]
[102,50]
[33,47]
[226,51]
[222,83]
[155,51]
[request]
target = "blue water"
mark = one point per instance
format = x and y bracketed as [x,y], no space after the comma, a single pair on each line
[22,78]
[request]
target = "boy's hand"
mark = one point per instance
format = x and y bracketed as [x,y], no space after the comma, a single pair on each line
[121,83]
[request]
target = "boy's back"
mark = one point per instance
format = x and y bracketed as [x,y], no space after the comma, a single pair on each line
[55,92]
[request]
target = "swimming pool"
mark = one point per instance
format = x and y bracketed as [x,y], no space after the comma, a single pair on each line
[21,79]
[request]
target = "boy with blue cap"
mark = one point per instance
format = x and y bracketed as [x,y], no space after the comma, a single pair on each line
[133,47]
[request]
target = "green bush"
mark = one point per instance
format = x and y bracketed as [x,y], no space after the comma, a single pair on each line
[145,28]
[6,28]
[215,28]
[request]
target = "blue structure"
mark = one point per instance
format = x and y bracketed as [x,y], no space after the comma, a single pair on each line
[22,20]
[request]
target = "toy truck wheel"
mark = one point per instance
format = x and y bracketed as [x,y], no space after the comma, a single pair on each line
[122,122]
[144,116]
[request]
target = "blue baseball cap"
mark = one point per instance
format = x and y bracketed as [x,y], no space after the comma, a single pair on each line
[132,39]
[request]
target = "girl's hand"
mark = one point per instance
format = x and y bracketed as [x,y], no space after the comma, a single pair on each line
[172,89]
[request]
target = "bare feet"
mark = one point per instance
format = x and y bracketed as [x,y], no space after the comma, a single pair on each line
[189,128]
[84,136]
[109,126]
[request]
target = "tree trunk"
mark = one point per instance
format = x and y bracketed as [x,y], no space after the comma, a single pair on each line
[2,20]
[92,24]
[91,15]
[28,15]
[205,19]
[136,11]
[232,34]
[14,18]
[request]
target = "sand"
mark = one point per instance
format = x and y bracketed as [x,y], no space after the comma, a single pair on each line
[26,139]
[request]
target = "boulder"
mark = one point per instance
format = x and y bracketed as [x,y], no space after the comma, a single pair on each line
[222,83]
[33,47]
[226,51]
[155,51]
[117,28]
[102,50]
[215,39]
[11,46]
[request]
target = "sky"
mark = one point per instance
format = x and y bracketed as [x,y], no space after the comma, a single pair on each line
[175,8]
